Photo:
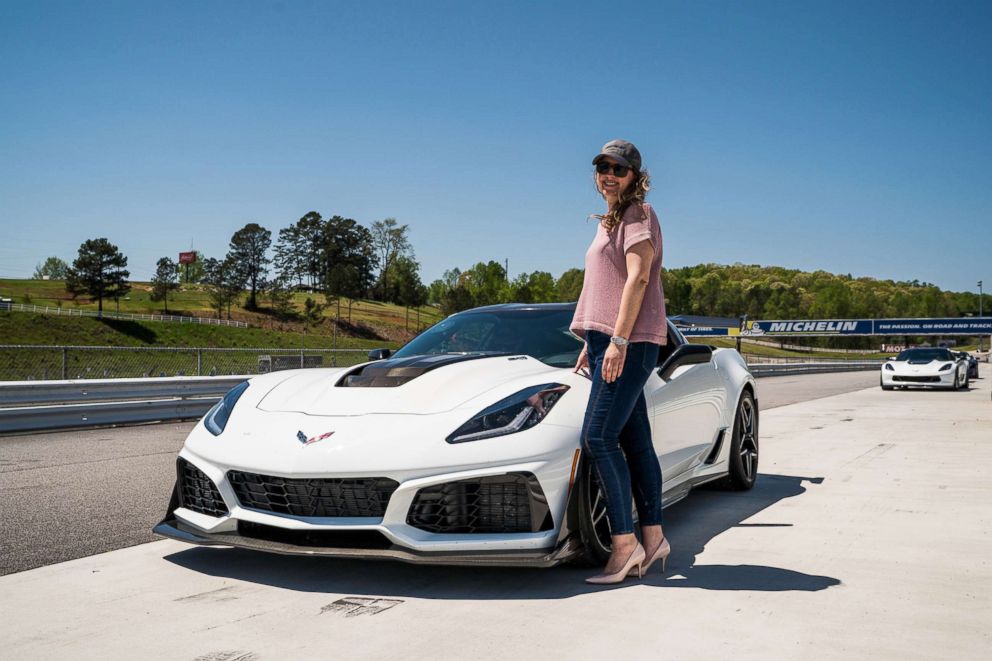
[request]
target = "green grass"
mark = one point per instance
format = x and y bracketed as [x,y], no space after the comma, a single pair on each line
[32,328]
[369,319]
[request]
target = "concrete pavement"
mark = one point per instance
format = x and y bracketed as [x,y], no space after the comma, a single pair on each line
[867,536]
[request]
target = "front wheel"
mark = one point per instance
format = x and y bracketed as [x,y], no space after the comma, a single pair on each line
[594,525]
[882,383]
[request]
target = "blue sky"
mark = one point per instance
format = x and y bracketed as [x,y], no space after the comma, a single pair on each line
[853,137]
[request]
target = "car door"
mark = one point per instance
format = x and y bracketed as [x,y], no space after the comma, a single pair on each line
[686,411]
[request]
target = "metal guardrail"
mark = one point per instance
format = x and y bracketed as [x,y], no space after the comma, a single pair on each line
[42,405]
[128,316]
[45,405]
[20,393]
[780,369]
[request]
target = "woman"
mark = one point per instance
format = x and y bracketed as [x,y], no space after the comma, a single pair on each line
[621,317]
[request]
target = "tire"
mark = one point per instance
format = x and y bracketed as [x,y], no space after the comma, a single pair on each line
[882,383]
[743,459]
[957,383]
[594,524]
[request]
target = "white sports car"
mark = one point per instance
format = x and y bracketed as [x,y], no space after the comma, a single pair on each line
[461,448]
[924,367]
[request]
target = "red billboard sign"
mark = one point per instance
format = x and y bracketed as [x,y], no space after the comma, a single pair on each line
[187,257]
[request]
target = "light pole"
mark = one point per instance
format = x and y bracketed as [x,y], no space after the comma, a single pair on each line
[981,338]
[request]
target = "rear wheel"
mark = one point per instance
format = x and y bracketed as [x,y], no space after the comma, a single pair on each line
[743,459]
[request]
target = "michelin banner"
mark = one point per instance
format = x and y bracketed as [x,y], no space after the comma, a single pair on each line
[851,327]
[820,327]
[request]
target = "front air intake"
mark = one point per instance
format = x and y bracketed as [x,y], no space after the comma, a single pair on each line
[493,504]
[313,497]
[197,492]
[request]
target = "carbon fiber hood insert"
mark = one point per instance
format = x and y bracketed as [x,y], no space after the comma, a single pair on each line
[394,372]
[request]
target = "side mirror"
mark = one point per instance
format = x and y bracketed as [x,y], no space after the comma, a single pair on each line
[891,358]
[380,354]
[687,354]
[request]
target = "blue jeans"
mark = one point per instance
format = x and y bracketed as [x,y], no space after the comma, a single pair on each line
[616,434]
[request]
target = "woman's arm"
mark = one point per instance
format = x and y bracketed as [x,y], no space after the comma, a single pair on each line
[639,258]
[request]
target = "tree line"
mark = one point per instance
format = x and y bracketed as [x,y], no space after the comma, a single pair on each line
[344,260]
[336,257]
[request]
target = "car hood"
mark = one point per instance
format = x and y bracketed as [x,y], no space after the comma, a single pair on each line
[443,387]
[915,366]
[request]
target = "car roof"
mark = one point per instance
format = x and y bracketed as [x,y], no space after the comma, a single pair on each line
[513,307]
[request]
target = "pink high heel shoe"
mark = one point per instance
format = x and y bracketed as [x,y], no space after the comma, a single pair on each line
[661,553]
[634,562]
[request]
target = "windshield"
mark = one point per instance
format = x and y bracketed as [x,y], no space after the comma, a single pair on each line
[539,333]
[924,355]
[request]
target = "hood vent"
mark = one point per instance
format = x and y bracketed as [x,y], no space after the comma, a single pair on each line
[397,371]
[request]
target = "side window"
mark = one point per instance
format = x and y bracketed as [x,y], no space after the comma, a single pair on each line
[675,340]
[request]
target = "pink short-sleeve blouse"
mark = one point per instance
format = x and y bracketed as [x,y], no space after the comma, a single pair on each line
[606,274]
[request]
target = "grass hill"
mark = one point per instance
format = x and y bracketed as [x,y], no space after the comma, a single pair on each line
[369,324]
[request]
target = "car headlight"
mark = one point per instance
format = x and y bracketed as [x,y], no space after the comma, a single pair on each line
[889,367]
[216,418]
[946,367]
[515,413]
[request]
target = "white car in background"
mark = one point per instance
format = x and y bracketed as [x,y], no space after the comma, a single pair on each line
[461,448]
[925,367]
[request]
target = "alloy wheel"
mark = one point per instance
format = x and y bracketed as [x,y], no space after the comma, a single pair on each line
[749,440]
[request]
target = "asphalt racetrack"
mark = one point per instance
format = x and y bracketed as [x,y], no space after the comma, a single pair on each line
[867,536]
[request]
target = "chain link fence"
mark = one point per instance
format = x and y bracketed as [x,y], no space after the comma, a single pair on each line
[39,363]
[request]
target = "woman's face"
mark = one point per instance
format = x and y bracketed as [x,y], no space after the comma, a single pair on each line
[609,184]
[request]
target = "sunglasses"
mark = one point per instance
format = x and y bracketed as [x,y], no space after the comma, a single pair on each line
[618,170]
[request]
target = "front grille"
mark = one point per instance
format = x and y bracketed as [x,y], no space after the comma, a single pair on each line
[332,539]
[917,379]
[493,504]
[197,492]
[337,497]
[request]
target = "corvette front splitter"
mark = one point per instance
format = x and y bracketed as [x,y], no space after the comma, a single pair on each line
[568,549]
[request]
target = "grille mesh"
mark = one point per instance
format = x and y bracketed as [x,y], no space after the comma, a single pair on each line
[197,492]
[334,497]
[492,504]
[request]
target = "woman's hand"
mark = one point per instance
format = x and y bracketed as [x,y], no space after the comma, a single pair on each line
[613,362]
[583,362]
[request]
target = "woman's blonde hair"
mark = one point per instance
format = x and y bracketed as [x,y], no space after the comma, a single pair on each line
[634,193]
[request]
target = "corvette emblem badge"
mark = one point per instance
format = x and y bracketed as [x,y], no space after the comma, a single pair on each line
[302,438]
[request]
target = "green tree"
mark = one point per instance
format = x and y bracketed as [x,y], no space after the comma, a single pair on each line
[390,240]
[280,294]
[350,261]
[569,285]
[98,271]
[166,279]
[248,249]
[404,285]
[53,269]
[486,282]
[456,299]
[224,283]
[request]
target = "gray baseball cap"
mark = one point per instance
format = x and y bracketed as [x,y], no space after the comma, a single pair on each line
[622,152]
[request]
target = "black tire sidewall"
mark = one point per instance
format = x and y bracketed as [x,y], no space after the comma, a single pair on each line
[736,474]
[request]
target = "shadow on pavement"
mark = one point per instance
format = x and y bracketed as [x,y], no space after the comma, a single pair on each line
[690,524]
[705,514]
